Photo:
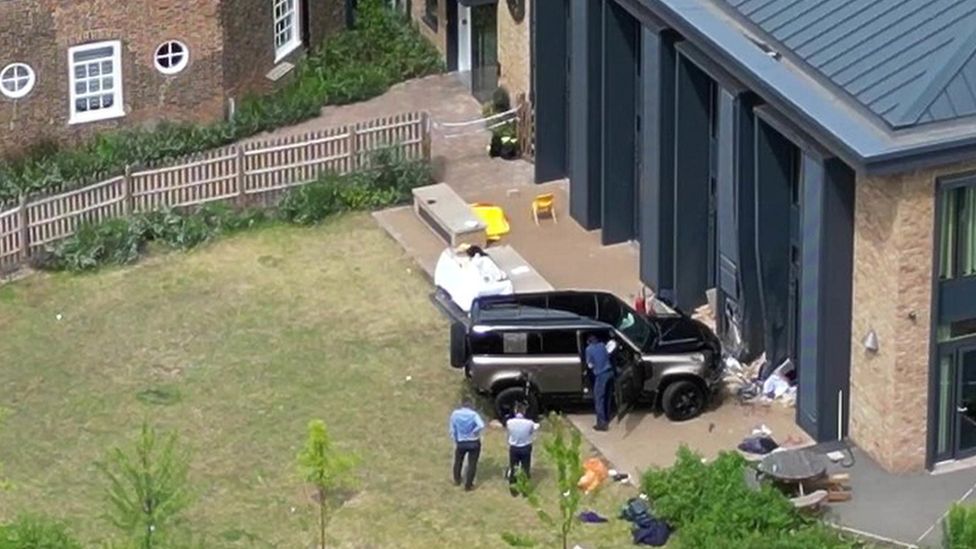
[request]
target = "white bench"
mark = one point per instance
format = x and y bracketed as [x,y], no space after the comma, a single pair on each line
[448,215]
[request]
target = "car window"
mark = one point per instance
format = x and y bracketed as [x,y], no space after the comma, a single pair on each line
[506,343]
[580,304]
[634,327]
[560,342]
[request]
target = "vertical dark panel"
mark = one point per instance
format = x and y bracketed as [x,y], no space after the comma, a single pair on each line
[585,102]
[728,246]
[649,209]
[691,184]
[749,306]
[773,154]
[451,32]
[836,294]
[809,359]
[618,129]
[551,88]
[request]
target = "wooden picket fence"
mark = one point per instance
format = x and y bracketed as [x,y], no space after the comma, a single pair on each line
[253,172]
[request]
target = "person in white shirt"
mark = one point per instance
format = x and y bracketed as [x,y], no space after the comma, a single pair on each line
[521,433]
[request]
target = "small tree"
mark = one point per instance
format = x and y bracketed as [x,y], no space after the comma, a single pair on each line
[565,456]
[147,489]
[323,467]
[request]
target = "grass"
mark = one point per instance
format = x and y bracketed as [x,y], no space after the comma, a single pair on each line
[237,345]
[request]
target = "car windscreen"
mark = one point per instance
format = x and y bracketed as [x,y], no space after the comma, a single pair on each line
[632,325]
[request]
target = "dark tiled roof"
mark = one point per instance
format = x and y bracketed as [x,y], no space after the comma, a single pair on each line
[908,61]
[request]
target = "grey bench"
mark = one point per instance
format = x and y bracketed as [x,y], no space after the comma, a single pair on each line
[448,215]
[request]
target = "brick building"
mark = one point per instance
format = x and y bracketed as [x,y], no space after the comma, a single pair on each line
[813,163]
[486,41]
[69,70]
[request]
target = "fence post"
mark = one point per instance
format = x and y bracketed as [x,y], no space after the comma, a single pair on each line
[24,229]
[127,199]
[353,149]
[239,167]
[425,135]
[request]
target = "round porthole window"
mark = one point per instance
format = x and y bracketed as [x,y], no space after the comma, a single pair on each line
[16,80]
[171,57]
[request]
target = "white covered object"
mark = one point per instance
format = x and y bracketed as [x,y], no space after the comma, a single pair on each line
[465,278]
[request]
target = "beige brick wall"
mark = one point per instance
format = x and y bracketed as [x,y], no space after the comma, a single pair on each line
[439,37]
[893,247]
[514,54]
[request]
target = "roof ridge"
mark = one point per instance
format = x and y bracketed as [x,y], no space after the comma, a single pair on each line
[964,54]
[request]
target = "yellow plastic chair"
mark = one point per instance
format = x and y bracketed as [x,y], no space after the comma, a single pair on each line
[544,203]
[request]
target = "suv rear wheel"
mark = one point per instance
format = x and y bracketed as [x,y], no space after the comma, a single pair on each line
[506,399]
[683,400]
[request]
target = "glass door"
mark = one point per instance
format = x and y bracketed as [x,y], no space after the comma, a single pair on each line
[484,51]
[966,403]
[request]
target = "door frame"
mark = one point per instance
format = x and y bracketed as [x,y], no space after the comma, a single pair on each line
[959,351]
[464,38]
[955,350]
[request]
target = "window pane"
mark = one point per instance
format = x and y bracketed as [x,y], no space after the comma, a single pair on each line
[94,86]
[89,55]
[80,71]
[486,344]
[560,342]
[107,83]
[967,232]
[81,105]
[515,343]
[81,87]
[947,236]
[945,405]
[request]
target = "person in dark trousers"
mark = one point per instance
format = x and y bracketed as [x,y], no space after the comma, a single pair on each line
[521,432]
[598,360]
[466,427]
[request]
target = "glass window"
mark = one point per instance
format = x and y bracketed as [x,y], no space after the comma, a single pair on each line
[945,405]
[16,80]
[95,82]
[286,34]
[171,57]
[430,13]
[561,342]
[957,234]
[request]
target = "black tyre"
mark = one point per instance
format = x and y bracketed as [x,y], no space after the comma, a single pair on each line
[459,344]
[683,400]
[506,399]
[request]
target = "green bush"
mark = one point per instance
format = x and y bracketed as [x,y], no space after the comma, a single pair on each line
[352,65]
[30,532]
[387,180]
[711,505]
[960,527]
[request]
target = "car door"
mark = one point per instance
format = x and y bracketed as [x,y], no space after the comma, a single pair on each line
[629,381]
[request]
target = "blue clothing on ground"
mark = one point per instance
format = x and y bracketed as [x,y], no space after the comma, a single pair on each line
[597,358]
[466,425]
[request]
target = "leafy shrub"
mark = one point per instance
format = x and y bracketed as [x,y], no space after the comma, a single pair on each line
[960,527]
[711,505]
[352,65]
[113,242]
[31,532]
[386,180]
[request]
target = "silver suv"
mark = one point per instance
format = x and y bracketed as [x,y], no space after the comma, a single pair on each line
[530,347]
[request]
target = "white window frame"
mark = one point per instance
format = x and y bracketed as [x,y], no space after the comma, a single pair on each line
[282,50]
[118,108]
[172,69]
[31,80]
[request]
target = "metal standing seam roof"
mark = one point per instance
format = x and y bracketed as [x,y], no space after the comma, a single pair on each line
[908,61]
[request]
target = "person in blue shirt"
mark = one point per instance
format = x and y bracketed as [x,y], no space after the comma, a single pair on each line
[598,361]
[466,427]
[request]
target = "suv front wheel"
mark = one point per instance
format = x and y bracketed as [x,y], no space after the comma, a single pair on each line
[506,399]
[683,400]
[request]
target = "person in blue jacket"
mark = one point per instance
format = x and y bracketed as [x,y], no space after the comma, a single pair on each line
[465,427]
[598,361]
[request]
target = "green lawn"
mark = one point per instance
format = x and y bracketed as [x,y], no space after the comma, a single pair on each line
[258,334]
